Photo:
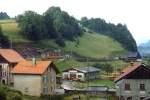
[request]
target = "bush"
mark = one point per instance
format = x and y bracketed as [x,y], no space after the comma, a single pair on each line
[3,95]
[17,97]
[11,95]
[60,42]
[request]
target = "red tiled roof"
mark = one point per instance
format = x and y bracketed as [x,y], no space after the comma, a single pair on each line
[127,71]
[26,67]
[11,55]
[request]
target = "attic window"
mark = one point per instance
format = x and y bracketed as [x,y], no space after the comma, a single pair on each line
[127,87]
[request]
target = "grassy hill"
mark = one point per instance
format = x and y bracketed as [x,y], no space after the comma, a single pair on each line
[11,30]
[90,44]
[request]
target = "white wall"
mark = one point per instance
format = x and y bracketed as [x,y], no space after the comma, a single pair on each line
[32,83]
[65,74]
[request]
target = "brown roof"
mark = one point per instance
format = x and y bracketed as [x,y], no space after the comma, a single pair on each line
[129,67]
[127,71]
[26,67]
[11,55]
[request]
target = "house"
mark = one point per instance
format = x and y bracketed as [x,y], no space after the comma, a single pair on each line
[81,74]
[8,59]
[133,84]
[35,77]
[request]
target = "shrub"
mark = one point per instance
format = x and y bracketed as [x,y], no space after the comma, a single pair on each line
[17,97]
[60,42]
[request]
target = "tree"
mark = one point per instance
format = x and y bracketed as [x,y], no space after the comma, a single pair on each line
[105,67]
[108,68]
[32,25]
[60,24]
[4,42]
[3,15]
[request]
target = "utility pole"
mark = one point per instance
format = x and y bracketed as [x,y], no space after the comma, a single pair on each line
[87,79]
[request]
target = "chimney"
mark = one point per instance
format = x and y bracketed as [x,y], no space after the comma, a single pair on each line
[33,62]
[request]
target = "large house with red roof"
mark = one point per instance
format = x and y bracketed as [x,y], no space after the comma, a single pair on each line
[35,77]
[8,59]
[133,83]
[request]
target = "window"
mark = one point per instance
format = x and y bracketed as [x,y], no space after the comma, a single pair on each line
[51,89]
[4,74]
[142,87]
[45,90]
[129,98]
[79,76]
[142,98]
[121,98]
[127,86]
[45,79]
[49,69]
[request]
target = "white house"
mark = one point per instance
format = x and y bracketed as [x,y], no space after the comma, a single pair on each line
[35,77]
[81,74]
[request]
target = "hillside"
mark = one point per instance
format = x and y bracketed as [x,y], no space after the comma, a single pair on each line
[90,44]
[118,32]
[10,29]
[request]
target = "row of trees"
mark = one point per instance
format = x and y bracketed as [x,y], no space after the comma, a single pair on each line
[118,32]
[3,15]
[54,23]
[59,25]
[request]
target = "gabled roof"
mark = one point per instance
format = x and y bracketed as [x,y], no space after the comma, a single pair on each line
[84,69]
[130,66]
[130,70]
[88,69]
[26,67]
[11,55]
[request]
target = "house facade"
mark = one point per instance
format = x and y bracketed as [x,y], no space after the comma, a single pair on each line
[8,59]
[133,84]
[35,79]
[81,74]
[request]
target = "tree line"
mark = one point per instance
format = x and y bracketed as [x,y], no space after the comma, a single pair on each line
[60,26]
[118,32]
[3,15]
[54,23]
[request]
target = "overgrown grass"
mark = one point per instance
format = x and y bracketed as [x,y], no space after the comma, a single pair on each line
[82,96]
[65,64]
[9,94]
[95,45]
[98,82]
[31,98]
